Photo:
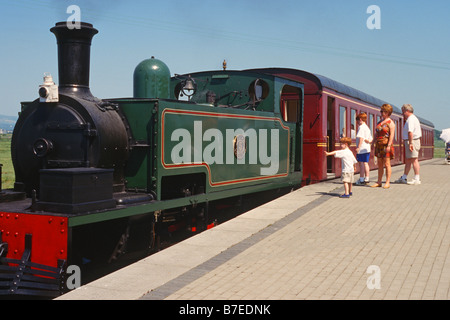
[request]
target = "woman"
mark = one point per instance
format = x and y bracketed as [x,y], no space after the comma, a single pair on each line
[384,149]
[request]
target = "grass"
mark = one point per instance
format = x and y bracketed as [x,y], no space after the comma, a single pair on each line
[439,152]
[439,145]
[439,148]
[8,176]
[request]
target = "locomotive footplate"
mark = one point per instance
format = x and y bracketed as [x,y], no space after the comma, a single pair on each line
[9,196]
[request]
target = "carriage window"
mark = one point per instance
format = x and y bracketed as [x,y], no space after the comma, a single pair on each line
[353,124]
[396,130]
[371,124]
[342,121]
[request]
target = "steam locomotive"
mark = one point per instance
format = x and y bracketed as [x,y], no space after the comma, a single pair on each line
[96,178]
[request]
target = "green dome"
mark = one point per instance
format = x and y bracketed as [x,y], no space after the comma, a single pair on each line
[151,79]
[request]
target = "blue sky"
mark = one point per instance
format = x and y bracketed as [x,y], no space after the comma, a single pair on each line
[406,61]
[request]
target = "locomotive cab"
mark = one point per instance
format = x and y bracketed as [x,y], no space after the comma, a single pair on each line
[254,95]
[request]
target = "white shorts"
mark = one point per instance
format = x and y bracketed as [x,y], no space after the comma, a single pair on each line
[416,147]
[347,177]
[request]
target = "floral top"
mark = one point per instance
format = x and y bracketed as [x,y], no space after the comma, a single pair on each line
[383,130]
[382,135]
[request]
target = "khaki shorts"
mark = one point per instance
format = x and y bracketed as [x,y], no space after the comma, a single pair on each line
[416,147]
[347,177]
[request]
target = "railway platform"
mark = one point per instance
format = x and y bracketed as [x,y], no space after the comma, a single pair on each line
[381,244]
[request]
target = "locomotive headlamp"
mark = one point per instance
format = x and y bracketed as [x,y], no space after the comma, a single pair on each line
[48,91]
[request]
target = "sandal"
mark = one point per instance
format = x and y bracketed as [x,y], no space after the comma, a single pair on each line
[376,185]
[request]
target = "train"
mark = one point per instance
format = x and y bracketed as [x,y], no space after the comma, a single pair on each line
[98,178]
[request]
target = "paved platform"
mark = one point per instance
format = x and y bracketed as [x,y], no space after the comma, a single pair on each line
[309,244]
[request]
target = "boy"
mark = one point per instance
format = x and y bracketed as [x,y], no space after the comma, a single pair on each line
[348,164]
[363,140]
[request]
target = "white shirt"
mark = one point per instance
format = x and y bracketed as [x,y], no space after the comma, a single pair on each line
[412,124]
[348,159]
[364,134]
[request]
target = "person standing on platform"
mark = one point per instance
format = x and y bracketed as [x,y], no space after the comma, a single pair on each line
[384,149]
[348,164]
[363,141]
[411,137]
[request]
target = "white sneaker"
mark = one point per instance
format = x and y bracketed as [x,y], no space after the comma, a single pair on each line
[414,182]
[401,180]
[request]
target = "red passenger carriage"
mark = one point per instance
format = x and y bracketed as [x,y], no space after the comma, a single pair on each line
[330,110]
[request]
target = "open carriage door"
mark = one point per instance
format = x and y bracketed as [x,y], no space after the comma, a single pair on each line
[292,111]
[331,124]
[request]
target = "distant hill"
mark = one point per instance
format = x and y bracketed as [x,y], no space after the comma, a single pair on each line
[7,123]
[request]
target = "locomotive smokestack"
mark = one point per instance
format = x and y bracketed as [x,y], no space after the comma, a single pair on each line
[74,51]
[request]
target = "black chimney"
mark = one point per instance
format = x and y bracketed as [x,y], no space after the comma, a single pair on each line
[74,50]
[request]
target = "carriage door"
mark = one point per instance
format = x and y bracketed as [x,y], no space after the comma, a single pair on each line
[291,111]
[331,123]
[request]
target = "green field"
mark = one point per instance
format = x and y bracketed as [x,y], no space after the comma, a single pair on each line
[439,152]
[439,145]
[5,160]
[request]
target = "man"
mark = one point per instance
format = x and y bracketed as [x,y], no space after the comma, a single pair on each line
[411,136]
